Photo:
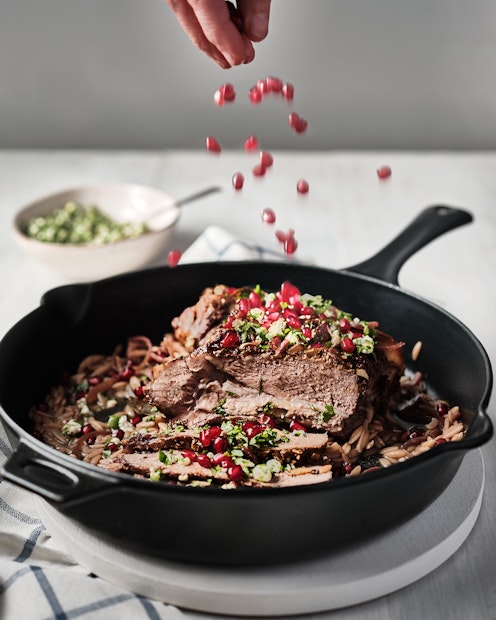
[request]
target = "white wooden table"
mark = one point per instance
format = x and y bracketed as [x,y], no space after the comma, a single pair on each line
[347,216]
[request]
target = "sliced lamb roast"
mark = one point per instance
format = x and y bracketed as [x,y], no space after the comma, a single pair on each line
[257,352]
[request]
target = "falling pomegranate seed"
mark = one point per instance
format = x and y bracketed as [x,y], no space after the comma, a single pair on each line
[228,92]
[173,257]
[297,123]
[219,98]
[266,159]
[274,84]
[212,145]
[268,216]
[255,95]
[251,143]
[302,186]
[288,91]
[290,245]
[384,172]
[284,236]
[230,340]
[235,473]
[347,345]
[238,180]
[262,87]
[259,170]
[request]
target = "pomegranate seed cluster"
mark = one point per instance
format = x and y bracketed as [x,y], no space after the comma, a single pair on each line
[270,86]
[288,318]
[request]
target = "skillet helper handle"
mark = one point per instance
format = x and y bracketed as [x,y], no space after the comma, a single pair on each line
[427,226]
[31,470]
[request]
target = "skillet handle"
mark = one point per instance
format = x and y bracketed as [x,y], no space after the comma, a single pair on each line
[428,225]
[31,470]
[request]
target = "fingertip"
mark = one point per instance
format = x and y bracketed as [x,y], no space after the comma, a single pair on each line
[257,26]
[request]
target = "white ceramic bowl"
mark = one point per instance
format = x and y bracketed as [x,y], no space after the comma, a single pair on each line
[123,203]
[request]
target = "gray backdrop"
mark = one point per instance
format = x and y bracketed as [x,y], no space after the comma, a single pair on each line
[368,74]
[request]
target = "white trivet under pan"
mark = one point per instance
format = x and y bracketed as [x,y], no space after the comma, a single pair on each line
[348,577]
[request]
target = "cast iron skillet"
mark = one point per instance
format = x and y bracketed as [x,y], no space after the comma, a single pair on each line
[242,526]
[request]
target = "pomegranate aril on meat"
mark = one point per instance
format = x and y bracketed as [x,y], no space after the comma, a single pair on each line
[112,446]
[203,460]
[230,340]
[252,431]
[254,300]
[205,437]
[212,145]
[243,306]
[173,257]
[296,426]
[226,462]
[384,172]
[266,159]
[87,428]
[268,216]
[344,325]
[289,291]
[139,391]
[189,454]
[215,431]
[94,380]
[235,473]
[302,186]
[266,420]
[347,345]
[238,180]
[135,420]
[220,444]
[251,143]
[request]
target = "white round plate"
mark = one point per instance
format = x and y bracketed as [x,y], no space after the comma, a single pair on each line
[351,576]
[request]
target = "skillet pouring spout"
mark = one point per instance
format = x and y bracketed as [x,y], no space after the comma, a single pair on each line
[241,526]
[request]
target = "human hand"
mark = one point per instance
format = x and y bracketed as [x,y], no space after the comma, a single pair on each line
[209,25]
